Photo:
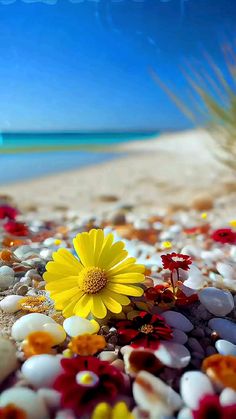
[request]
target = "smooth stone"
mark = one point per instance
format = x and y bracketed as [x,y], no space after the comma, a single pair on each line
[177,320]
[42,370]
[224,347]
[193,386]
[152,393]
[7,276]
[173,355]
[10,304]
[75,326]
[179,336]
[109,356]
[27,400]
[185,413]
[8,359]
[225,328]
[216,301]
[51,398]
[32,322]
[227,271]
[228,397]
[56,330]
[195,345]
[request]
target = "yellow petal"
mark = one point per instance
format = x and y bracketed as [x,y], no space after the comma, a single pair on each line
[128,263]
[65,257]
[59,268]
[122,299]
[102,411]
[98,245]
[65,295]
[111,303]
[127,278]
[98,308]
[125,289]
[83,306]
[83,249]
[69,308]
[107,243]
[121,411]
[62,284]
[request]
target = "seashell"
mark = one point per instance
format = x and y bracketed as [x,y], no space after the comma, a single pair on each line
[193,386]
[8,359]
[10,304]
[152,393]
[42,370]
[177,320]
[216,301]
[27,400]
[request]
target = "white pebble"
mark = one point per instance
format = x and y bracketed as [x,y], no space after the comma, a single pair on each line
[109,356]
[7,276]
[185,413]
[10,304]
[27,400]
[193,386]
[227,271]
[8,359]
[152,393]
[51,398]
[75,326]
[173,355]
[225,328]
[32,322]
[228,397]
[177,320]
[216,301]
[42,370]
[224,347]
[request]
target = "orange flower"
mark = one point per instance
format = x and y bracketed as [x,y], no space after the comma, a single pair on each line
[87,344]
[33,304]
[221,369]
[12,412]
[38,343]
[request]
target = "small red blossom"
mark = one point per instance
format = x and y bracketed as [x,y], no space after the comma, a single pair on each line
[210,408]
[224,235]
[8,212]
[87,381]
[145,330]
[163,296]
[16,229]
[174,261]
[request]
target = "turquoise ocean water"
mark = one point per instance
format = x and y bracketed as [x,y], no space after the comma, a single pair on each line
[28,164]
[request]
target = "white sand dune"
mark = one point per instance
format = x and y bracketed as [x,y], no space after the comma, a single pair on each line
[171,169]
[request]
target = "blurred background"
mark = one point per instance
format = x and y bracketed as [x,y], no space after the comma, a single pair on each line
[118,103]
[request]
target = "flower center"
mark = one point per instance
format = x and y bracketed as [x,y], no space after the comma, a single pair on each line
[147,328]
[87,378]
[92,280]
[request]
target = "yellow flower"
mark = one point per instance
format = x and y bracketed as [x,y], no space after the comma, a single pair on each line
[38,343]
[87,344]
[166,245]
[105,411]
[101,280]
[232,223]
[204,215]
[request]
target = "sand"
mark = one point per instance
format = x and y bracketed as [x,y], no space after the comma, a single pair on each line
[170,170]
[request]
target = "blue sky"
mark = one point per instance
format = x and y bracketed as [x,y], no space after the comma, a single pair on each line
[85,65]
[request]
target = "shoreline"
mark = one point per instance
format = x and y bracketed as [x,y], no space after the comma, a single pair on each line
[171,170]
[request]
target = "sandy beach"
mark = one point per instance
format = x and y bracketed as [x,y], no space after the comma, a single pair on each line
[172,169]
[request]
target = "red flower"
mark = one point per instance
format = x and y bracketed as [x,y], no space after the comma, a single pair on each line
[174,261]
[163,296]
[145,330]
[210,408]
[8,212]
[87,381]
[16,229]
[224,235]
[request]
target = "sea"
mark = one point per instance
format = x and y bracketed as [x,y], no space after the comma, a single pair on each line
[25,156]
